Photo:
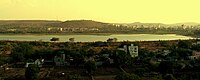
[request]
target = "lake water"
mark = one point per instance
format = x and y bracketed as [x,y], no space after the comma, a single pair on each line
[91,38]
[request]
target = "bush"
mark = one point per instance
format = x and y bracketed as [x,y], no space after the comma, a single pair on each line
[126,76]
[31,72]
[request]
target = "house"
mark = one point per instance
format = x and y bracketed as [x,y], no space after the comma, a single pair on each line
[195,55]
[132,50]
[29,63]
[59,60]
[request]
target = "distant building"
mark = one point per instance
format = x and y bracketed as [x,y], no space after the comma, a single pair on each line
[132,50]
[61,29]
[59,60]
[49,29]
[11,29]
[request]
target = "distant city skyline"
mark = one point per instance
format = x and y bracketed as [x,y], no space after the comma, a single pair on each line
[111,11]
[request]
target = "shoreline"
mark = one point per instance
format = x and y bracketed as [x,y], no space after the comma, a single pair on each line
[92,34]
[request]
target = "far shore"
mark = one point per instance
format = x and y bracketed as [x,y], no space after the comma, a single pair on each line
[106,34]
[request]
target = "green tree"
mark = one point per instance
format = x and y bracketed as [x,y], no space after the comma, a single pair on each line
[22,51]
[1,60]
[27,50]
[90,66]
[196,47]
[157,77]
[31,72]
[169,77]
[18,57]
[143,53]
[122,58]
[126,76]
[54,39]
[140,71]
[165,67]
[184,44]
[184,53]
[71,39]
[74,77]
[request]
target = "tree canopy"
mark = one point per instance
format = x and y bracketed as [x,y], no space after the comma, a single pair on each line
[126,76]
[31,72]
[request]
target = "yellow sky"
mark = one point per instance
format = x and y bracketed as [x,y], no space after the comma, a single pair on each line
[124,11]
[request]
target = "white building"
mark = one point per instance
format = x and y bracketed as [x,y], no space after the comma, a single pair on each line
[61,29]
[132,50]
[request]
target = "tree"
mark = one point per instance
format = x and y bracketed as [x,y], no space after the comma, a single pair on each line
[27,50]
[165,67]
[184,53]
[126,76]
[1,60]
[54,39]
[90,66]
[143,53]
[157,77]
[74,77]
[140,71]
[122,58]
[17,57]
[22,51]
[71,39]
[169,77]
[184,44]
[31,72]
[112,40]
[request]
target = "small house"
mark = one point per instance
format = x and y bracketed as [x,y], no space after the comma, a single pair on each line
[59,60]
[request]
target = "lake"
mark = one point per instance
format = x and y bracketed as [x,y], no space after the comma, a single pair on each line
[91,38]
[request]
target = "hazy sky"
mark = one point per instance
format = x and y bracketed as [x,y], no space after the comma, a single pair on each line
[165,11]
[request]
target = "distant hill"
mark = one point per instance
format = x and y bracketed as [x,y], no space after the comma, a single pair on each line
[186,23]
[139,24]
[38,23]
[82,24]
